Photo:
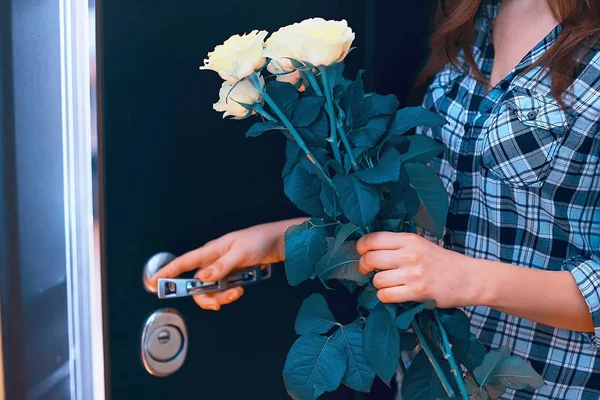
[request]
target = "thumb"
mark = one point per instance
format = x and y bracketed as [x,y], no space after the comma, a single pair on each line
[221,267]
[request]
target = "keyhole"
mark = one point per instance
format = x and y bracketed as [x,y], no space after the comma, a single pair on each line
[164,337]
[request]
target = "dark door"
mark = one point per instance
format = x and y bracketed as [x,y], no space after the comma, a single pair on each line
[176,175]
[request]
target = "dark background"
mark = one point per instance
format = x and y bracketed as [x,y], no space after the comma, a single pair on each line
[175,176]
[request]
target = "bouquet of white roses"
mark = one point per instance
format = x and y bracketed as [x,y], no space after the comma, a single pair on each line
[352,167]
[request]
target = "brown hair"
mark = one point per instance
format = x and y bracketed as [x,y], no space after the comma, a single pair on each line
[455,30]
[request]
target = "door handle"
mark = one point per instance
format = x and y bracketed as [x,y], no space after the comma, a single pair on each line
[178,287]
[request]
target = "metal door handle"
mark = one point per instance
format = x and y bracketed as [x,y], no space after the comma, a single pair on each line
[177,287]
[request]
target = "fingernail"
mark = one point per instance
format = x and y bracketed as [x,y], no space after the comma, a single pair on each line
[205,274]
[214,307]
[232,297]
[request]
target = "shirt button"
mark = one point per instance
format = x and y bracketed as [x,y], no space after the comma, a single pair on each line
[531,115]
[504,85]
[456,185]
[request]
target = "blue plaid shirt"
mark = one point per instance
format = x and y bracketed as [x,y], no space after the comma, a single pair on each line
[523,178]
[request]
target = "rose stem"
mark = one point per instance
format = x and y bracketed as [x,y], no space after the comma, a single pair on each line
[450,357]
[294,133]
[332,119]
[432,360]
[339,124]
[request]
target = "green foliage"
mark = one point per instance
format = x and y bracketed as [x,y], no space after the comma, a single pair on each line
[258,128]
[405,318]
[499,370]
[285,95]
[314,316]
[422,149]
[352,164]
[371,134]
[433,196]
[305,244]
[421,382]
[359,373]
[386,170]
[381,343]
[341,264]
[360,201]
[315,365]
[411,117]
[304,190]
[307,110]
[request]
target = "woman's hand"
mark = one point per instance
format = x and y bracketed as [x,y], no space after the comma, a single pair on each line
[260,244]
[412,268]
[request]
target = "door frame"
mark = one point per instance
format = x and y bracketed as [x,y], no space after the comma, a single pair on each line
[46,175]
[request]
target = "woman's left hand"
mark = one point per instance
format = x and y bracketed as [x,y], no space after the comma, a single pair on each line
[411,268]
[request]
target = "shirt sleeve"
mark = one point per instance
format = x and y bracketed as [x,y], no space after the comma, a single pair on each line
[586,272]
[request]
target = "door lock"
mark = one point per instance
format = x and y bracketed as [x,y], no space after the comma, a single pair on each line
[171,288]
[164,342]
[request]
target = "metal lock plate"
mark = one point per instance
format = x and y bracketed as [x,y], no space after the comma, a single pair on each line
[164,342]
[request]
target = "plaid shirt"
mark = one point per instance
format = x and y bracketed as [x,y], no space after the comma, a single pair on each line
[523,178]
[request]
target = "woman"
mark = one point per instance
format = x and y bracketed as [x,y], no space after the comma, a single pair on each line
[521,251]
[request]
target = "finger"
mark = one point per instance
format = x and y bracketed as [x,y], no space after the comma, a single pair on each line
[220,268]
[214,301]
[194,259]
[229,296]
[391,278]
[400,294]
[382,241]
[385,260]
[207,302]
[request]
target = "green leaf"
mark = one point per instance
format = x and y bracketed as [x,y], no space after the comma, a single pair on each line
[518,374]
[470,353]
[371,134]
[343,232]
[386,170]
[336,75]
[485,372]
[375,104]
[293,155]
[422,149]
[359,201]
[500,370]
[421,381]
[353,110]
[343,264]
[404,320]
[314,316]
[433,196]
[315,364]
[285,95]
[359,374]
[475,392]
[411,117]
[307,110]
[381,343]
[315,135]
[457,324]
[368,297]
[329,200]
[258,128]
[305,244]
[350,285]
[304,190]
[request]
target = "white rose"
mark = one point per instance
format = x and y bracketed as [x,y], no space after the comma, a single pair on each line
[291,76]
[231,95]
[315,41]
[238,57]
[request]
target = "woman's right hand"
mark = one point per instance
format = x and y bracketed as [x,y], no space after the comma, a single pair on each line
[260,244]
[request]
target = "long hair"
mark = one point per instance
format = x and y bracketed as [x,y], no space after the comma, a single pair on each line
[455,30]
